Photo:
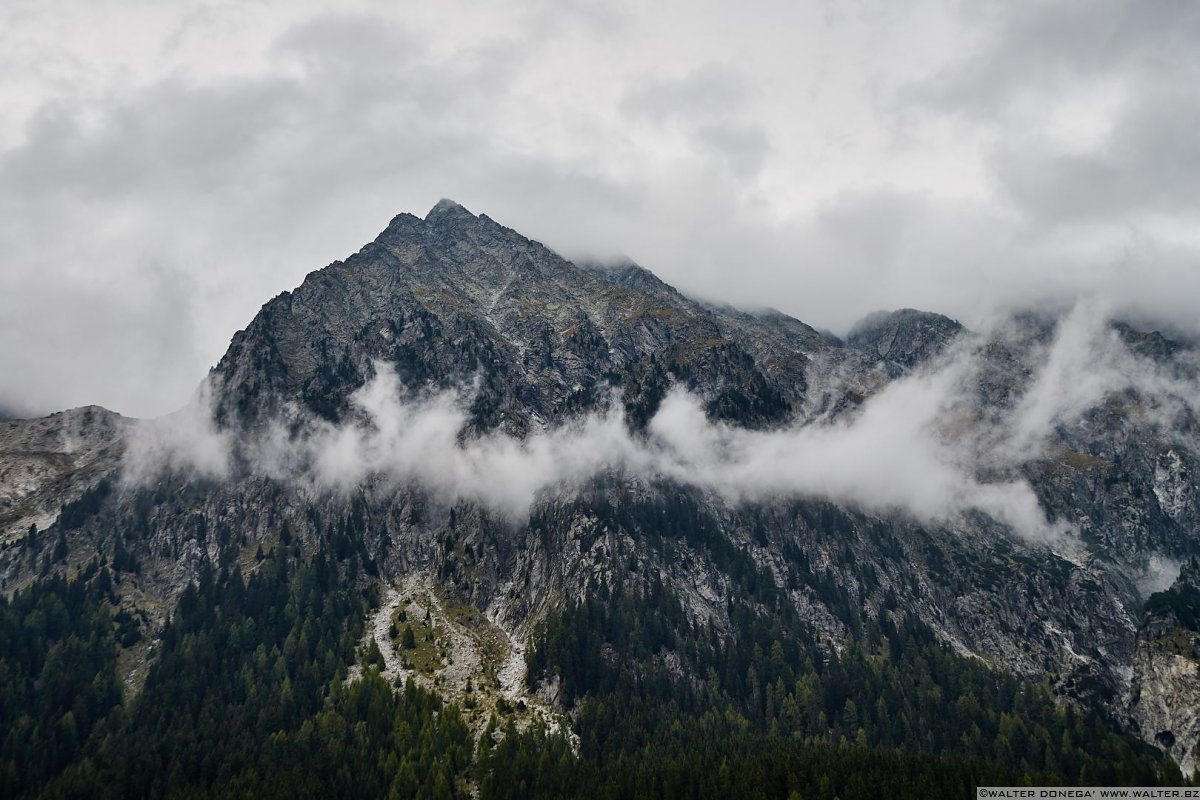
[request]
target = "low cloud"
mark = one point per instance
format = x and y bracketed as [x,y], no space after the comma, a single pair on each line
[1160,574]
[893,456]
[187,441]
[406,440]
[919,446]
[1085,362]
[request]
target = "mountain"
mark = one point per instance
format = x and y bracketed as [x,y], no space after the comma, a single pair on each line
[613,528]
[454,295]
[903,339]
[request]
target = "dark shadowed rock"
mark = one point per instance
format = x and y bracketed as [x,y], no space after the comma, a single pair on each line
[903,339]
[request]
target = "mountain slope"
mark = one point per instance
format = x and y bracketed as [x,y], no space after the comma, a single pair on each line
[827,560]
[455,296]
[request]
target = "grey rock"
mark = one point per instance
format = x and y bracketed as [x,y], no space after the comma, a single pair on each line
[903,339]
[53,460]
[1165,701]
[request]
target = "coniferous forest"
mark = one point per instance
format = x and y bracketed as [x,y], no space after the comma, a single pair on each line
[247,695]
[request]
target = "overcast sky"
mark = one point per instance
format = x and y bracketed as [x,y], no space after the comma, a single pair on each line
[166,168]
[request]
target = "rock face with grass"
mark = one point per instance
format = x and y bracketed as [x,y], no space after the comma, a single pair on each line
[47,462]
[457,300]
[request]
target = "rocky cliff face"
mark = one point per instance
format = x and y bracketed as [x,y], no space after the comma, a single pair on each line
[50,461]
[1168,697]
[457,300]
[1165,704]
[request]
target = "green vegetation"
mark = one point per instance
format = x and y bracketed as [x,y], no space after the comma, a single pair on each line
[900,714]
[419,644]
[668,707]
[75,513]
[58,649]
[247,696]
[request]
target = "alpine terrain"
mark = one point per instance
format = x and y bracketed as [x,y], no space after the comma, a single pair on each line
[459,517]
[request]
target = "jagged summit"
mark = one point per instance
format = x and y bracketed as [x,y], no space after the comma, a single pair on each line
[904,338]
[447,208]
[457,296]
[902,316]
[440,218]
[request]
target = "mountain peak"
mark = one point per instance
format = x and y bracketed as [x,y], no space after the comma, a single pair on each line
[447,209]
[903,338]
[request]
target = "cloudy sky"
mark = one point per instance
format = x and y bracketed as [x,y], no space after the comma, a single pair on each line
[166,168]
